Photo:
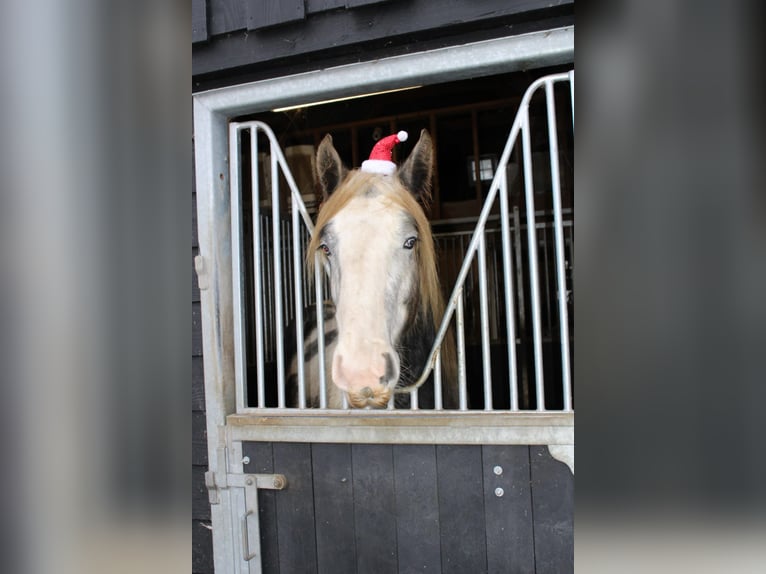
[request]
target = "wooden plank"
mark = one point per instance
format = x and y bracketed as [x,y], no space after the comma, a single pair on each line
[202,547]
[262,461]
[510,534]
[315,6]
[295,509]
[226,16]
[334,508]
[198,384]
[374,512]
[265,13]
[196,330]
[417,509]
[199,439]
[200,500]
[199,21]
[553,507]
[357,3]
[461,508]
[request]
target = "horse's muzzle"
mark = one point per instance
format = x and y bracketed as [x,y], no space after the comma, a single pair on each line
[369,398]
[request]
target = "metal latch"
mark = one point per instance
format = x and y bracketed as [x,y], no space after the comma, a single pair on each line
[251,537]
[255,481]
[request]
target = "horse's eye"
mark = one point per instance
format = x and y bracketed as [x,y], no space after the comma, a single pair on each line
[324,248]
[410,243]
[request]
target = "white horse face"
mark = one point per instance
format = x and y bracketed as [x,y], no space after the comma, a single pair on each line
[370,248]
[370,245]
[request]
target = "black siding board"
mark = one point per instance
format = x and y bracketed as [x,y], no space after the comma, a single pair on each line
[295,509]
[334,508]
[417,509]
[262,462]
[199,439]
[553,507]
[199,20]
[200,500]
[374,512]
[384,21]
[196,330]
[202,547]
[265,13]
[510,534]
[226,16]
[357,3]
[314,6]
[198,384]
[461,508]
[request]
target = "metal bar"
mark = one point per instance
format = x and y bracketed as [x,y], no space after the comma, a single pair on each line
[320,332]
[438,402]
[547,281]
[484,313]
[297,264]
[461,378]
[414,400]
[519,270]
[559,238]
[236,267]
[571,91]
[277,243]
[259,339]
[510,320]
[534,284]
[269,277]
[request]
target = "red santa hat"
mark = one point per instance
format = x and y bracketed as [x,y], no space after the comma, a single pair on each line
[380,156]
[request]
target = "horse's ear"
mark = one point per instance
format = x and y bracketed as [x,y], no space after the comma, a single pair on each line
[330,168]
[417,171]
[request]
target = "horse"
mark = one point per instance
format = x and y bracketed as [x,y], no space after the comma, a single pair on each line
[375,241]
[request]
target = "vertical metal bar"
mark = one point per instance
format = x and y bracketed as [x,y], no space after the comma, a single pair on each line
[277,239]
[571,91]
[297,264]
[438,384]
[257,271]
[534,285]
[236,266]
[461,378]
[519,268]
[559,238]
[547,281]
[414,400]
[318,273]
[485,350]
[510,319]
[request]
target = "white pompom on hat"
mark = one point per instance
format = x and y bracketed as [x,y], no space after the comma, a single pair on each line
[380,156]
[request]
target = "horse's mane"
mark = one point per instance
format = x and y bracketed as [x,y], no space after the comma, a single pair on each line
[431,302]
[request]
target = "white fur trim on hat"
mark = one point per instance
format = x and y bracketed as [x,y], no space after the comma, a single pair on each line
[380,166]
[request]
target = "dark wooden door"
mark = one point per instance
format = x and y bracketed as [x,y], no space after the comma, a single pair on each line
[414,508]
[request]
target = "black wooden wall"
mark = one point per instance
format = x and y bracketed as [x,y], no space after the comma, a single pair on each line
[414,508]
[233,39]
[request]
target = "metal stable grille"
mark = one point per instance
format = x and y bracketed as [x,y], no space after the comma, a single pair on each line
[496,301]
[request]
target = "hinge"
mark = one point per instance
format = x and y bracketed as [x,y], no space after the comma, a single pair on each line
[258,481]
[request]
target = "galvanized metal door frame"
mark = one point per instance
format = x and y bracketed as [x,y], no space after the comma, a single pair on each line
[212,112]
